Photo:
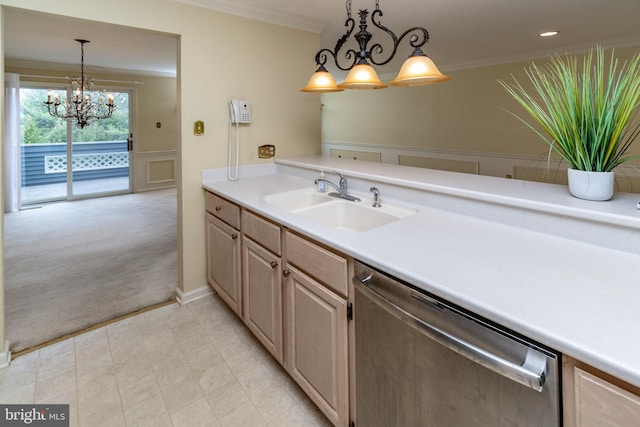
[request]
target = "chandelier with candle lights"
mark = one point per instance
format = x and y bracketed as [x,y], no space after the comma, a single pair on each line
[80,107]
[417,70]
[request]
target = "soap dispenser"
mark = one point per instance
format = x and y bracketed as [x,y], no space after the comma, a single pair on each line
[322,186]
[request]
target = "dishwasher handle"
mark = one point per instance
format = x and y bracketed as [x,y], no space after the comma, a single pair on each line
[531,372]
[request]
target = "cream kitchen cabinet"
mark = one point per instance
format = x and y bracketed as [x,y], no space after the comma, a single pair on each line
[594,399]
[262,281]
[317,347]
[224,250]
[301,320]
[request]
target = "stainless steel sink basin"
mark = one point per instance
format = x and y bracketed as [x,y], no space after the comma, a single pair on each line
[338,213]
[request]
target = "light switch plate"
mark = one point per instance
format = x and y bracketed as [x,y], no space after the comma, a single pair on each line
[198,128]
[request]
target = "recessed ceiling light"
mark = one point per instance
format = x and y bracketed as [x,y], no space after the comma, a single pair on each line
[548,34]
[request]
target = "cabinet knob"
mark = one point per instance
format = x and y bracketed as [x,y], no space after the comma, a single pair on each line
[274,264]
[286,272]
[234,236]
[218,208]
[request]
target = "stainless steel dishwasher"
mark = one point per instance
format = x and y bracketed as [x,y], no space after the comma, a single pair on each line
[421,361]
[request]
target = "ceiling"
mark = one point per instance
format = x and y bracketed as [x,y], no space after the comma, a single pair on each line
[463,33]
[34,39]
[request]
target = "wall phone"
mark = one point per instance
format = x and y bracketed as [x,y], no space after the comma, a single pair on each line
[240,111]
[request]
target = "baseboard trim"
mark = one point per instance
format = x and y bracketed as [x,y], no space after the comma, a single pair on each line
[191,296]
[5,356]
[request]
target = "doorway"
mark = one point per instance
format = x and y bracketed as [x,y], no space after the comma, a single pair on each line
[100,154]
[151,98]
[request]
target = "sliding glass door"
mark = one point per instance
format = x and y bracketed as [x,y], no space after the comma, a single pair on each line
[99,154]
[44,138]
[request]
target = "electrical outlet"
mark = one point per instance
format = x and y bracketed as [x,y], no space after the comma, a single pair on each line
[266,151]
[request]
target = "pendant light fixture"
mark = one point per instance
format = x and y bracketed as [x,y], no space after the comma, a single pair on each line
[80,108]
[417,70]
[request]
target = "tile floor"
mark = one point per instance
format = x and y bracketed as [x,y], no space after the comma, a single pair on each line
[192,365]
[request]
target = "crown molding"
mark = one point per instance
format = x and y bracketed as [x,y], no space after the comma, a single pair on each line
[260,14]
[542,54]
[73,68]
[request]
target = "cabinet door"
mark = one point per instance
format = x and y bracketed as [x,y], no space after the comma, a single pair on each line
[600,403]
[317,347]
[223,262]
[595,399]
[262,296]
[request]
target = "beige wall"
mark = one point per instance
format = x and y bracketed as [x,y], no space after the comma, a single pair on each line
[156,101]
[220,57]
[464,114]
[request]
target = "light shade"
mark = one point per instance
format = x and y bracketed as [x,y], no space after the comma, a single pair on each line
[321,81]
[418,70]
[362,76]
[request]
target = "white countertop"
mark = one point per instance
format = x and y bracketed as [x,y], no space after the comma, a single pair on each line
[490,245]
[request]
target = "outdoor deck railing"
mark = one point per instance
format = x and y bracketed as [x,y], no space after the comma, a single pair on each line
[47,163]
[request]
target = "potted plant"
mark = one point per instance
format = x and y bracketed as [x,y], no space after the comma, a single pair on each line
[585,114]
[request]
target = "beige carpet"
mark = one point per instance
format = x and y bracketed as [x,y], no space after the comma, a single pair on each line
[72,265]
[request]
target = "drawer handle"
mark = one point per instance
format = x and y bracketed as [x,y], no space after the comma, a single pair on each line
[286,272]
[274,264]
[218,208]
[234,236]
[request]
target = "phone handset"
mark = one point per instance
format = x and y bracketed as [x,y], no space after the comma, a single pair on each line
[240,111]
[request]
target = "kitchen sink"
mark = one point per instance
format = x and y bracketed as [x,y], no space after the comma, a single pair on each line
[349,216]
[339,213]
[298,199]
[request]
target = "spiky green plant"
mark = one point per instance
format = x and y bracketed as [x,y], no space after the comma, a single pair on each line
[586,114]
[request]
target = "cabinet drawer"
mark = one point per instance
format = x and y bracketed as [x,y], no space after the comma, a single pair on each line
[322,264]
[262,231]
[223,209]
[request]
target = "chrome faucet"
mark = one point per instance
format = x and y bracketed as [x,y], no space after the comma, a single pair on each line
[376,197]
[341,188]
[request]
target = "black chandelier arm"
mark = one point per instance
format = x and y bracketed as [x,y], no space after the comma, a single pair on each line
[375,19]
[323,54]
[350,55]
[53,113]
[350,23]
[416,41]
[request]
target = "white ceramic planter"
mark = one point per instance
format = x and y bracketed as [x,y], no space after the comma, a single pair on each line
[597,186]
